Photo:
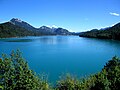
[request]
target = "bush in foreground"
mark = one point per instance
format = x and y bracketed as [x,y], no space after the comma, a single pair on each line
[15,74]
[107,79]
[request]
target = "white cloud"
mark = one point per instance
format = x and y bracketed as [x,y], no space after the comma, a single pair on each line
[114,14]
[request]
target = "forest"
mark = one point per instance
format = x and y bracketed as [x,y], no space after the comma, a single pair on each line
[107,33]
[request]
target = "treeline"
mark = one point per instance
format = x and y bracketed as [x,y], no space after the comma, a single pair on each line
[15,74]
[108,33]
[10,30]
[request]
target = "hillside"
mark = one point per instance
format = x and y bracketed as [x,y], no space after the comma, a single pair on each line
[108,33]
[10,30]
[17,28]
[23,24]
[43,30]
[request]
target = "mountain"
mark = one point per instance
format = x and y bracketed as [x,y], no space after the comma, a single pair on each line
[43,30]
[61,31]
[23,24]
[107,33]
[46,30]
[10,30]
[55,31]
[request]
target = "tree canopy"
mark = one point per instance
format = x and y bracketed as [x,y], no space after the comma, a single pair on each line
[15,74]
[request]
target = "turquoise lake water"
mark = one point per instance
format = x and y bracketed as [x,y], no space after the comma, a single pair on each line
[57,55]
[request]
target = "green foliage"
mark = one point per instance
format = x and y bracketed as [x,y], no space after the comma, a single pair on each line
[107,79]
[113,73]
[15,74]
[68,83]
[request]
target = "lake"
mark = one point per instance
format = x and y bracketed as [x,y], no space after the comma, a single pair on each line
[58,55]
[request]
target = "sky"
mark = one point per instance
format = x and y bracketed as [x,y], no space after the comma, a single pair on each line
[74,15]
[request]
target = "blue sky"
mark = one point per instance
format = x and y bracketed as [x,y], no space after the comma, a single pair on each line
[74,15]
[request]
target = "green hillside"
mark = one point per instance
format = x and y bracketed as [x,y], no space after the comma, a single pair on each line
[108,33]
[10,30]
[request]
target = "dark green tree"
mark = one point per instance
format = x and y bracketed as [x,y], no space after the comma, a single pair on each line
[15,74]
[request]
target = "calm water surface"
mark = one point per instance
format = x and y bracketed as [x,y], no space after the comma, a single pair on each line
[57,55]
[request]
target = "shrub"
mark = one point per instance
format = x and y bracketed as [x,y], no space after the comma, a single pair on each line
[15,74]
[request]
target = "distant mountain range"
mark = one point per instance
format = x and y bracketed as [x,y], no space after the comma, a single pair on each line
[17,28]
[44,30]
[106,33]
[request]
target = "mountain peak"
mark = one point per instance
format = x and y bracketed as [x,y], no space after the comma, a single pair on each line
[45,27]
[21,23]
[46,30]
[15,20]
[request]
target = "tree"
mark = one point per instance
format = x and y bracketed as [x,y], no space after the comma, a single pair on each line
[15,74]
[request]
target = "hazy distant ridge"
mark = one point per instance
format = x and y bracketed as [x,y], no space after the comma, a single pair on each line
[107,33]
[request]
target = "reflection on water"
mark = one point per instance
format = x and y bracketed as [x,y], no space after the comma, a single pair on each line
[103,43]
[23,39]
[42,39]
[51,40]
[19,40]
